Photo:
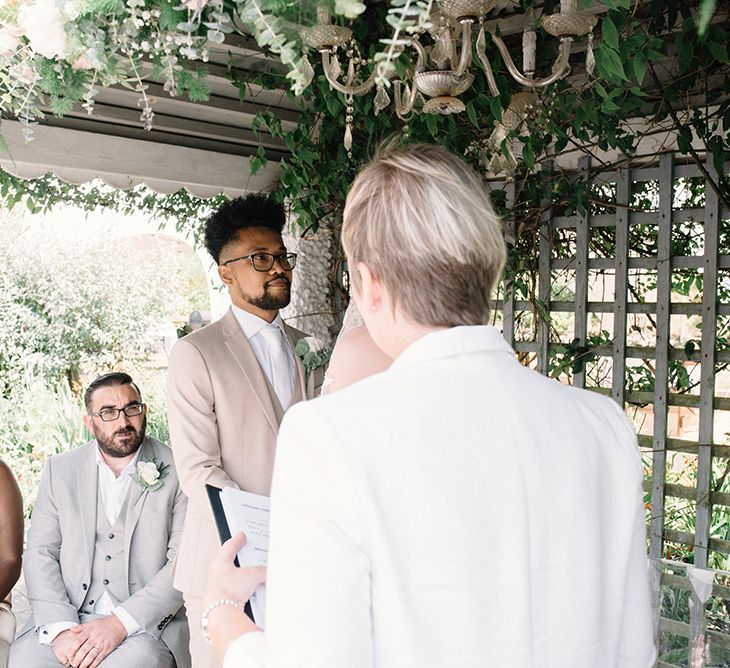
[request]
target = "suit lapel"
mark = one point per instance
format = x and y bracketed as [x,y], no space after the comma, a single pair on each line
[301,390]
[135,502]
[87,487]
[240,348]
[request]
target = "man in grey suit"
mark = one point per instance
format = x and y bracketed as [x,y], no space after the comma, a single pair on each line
[102,539]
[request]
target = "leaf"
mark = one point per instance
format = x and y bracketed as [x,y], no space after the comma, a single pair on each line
[719,51]
[431,124]
[495,106]
[609,64]
[639,67]
[528,155]
[472,114]
[610,33]
[689,349]
[707,9]
[685,53]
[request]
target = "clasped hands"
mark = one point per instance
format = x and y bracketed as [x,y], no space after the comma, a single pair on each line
[87,645]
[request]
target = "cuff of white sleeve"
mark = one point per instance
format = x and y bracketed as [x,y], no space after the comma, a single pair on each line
[125,618]
[246,650]
[48,632]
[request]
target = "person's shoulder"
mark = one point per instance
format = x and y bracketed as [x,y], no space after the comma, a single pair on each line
[70,459]
[296,333]
[202,336]
[6,473]
[161,451]
[340,405]
[197,344]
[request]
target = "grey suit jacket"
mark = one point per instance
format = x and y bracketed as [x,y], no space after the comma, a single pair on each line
[61,539]
[224,418]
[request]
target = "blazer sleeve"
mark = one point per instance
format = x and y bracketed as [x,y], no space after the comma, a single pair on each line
[323,618]
[46,587]
[636,646]
[158,599]
[193,423]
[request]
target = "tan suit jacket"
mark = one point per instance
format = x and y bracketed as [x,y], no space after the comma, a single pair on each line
[224,419]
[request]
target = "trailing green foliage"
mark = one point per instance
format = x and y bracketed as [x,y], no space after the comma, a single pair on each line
[42,194]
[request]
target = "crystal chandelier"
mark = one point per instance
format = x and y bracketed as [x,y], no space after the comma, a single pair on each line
[441,72]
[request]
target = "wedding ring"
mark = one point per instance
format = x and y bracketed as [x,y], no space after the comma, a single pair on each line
[96,648]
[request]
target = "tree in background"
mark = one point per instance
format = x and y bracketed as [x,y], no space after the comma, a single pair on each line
[72,306]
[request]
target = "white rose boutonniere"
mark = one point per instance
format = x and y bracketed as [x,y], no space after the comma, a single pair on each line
[313,353]
[149,475]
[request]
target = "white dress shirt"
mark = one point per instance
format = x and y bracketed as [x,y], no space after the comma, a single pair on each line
[113,491]
[252,327]
[467,511]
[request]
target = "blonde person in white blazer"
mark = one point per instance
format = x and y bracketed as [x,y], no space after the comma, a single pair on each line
[457,510]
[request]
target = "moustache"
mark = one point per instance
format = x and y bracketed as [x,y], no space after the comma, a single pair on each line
[127,431]
[281,277]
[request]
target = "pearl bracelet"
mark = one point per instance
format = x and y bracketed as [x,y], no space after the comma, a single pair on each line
[213,606]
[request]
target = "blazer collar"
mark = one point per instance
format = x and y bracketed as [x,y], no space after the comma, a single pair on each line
[87,488]
[239,346]
[136,498]
[303,391]
[453,341]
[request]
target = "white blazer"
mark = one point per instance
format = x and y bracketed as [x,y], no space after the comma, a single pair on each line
[457,510]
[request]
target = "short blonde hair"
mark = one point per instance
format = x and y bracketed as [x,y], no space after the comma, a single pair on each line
[421,220]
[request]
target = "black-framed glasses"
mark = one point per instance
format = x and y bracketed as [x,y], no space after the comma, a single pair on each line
[264,261]
[111,414]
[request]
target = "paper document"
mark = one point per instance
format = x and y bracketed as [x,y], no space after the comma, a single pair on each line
[250,513]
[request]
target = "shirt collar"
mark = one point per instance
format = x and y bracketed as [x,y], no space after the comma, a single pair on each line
[251,324]
[453,341]
[107,469]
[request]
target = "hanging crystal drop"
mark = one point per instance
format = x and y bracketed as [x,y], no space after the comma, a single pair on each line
[442,47]
[347,141]
[382,100]
[590,58]
[307,72]
[335,67]
[351,71]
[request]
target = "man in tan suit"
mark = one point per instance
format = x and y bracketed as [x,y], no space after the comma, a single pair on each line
[229,384]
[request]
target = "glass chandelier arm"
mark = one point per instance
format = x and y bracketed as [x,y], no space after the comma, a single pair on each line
[559,68]
[403,107]
[421,62]
[342,88]
[482,55]
[465,59]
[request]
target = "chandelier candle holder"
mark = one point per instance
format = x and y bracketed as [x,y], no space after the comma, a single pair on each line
[441,72]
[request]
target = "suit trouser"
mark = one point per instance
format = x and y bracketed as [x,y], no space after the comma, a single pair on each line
[136,651]
[7,633]
[202,652]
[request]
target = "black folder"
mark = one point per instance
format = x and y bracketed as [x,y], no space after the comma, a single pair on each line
[219,515]
[221,523]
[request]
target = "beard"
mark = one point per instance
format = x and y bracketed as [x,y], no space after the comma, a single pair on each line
[123,442]
[271,301]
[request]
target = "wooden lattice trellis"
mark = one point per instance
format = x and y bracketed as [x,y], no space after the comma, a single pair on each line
[692,603]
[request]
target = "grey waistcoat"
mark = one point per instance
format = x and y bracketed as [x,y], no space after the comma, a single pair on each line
[108,568]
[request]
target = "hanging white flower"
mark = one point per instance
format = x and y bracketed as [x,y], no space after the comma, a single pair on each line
[43,25]
[9,41]
[195,5]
